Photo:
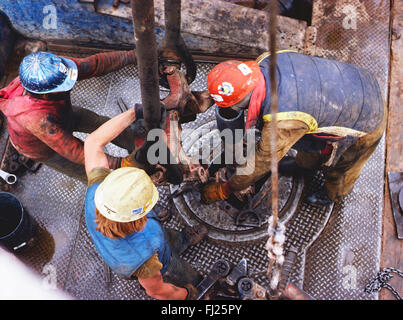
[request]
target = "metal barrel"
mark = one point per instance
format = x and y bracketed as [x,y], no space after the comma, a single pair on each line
[17,228]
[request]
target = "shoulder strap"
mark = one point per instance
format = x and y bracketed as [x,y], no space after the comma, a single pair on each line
[295,115]
[267,54]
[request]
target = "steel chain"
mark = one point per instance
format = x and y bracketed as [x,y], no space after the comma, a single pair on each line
[381,281]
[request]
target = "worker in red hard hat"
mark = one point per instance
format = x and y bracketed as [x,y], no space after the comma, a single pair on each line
[331,112]
[41,119]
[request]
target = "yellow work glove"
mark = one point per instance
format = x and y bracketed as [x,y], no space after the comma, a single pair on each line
[130,161]
[127,162]
[215,191]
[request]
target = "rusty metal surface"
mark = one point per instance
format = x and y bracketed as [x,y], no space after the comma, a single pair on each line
[356,32]
[395,134]
[174,46]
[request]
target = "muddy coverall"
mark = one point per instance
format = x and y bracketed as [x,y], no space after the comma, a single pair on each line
[331,112]
[41,126]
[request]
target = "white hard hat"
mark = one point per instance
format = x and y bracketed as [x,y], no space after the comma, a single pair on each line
[127,194]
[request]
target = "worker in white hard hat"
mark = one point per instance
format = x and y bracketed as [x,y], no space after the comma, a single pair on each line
[124,228]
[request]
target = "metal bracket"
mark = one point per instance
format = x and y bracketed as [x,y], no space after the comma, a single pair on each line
[396,196]
[248,218]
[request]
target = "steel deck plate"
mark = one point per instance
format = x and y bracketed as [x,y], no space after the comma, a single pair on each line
[339,252]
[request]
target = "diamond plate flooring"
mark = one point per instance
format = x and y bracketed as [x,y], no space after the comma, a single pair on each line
[64,245]
[339,247]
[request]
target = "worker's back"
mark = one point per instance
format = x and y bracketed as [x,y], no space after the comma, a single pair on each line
[334,93]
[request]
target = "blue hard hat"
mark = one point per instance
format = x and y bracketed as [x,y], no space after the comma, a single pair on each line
[45,72]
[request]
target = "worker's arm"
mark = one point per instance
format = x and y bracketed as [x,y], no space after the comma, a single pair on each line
[47,128]
[288,133]
[158,289]
[98,139]
[103,63]
[259,163]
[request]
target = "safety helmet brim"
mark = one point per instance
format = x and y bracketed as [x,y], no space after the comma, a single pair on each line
[231,81]
[68,83]
[122,214]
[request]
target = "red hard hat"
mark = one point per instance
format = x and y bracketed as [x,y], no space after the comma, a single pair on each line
[231,81]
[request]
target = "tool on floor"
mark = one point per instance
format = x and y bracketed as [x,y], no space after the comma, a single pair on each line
[396,196]
[107,274]
[220,269]
[8,177]
[249,217]
[238,284]
[288,265]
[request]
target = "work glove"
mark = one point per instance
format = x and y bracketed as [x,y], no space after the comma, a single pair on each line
[215,191]
[139,160]
[138,110]
[192,291]
[131,161]
[114,162]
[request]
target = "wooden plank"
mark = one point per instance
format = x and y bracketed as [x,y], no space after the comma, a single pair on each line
[392,247]
[223,21]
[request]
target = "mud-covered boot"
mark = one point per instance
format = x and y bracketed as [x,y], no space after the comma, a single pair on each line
[319,198]
[288,167]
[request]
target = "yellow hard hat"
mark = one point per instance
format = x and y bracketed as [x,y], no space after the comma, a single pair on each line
[127,194]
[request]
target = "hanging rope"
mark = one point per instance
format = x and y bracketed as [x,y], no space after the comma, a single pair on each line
[276,230]
[381,281]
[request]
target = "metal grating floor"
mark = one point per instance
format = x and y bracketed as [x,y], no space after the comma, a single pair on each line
[65,248]
[339,247]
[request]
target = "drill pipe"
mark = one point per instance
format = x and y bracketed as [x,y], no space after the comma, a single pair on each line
[147,60]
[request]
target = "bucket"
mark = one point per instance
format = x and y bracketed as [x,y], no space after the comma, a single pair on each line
[17,228]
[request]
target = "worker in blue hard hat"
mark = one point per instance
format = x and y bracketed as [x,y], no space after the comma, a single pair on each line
[41,119]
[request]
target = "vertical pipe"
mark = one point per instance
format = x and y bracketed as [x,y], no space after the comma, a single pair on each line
[173,42]
[147,61]
[273,108]
[273,123]
[172,12]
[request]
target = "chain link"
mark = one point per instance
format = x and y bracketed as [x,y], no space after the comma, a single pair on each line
[381,281]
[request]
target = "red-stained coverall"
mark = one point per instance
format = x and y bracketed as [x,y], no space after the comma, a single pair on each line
[41,126]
